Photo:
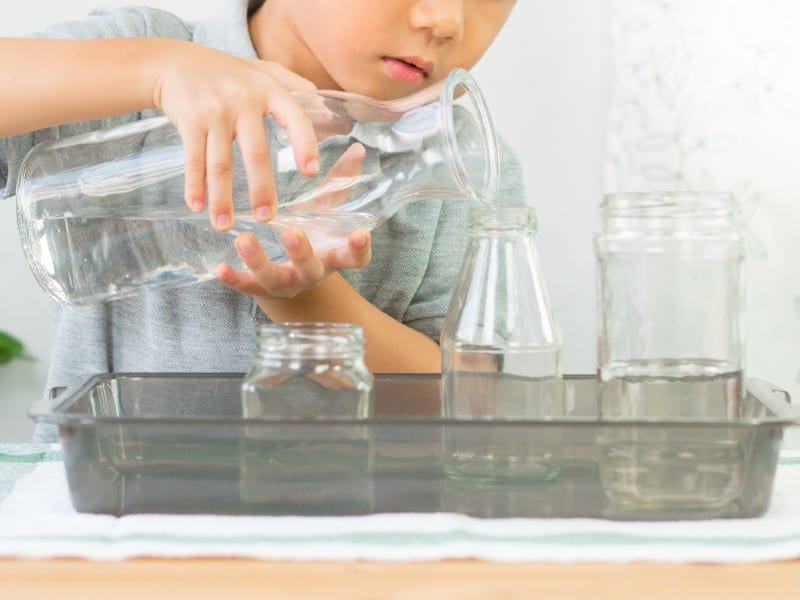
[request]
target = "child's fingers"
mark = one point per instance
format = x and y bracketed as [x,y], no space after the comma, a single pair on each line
[194,160]
[219,174]
[346,166]
[349,163]
[238,280]
[308,266]
[360,244]
[306,270]
[252,140]
[354,255]
[268,276]
[289,114]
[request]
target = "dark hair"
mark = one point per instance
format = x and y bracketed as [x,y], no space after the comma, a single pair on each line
[253,6]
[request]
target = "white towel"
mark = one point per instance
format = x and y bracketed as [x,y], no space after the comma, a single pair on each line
[37,521]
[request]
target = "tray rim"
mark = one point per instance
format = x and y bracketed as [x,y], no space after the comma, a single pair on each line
[784,413]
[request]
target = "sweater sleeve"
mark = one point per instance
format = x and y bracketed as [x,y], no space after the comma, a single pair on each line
[100,24]
[80,338]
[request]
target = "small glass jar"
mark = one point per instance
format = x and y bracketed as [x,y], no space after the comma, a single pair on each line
[308,370]
[305,372]
[501,354]
[669,305]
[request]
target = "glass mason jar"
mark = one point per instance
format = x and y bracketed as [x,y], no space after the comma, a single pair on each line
[102,215]
[304,372]
[308,370]
[501,355]
[669,305]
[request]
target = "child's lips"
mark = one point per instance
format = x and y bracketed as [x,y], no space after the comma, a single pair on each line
[406,69]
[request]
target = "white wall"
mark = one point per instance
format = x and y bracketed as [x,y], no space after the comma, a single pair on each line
[546,82]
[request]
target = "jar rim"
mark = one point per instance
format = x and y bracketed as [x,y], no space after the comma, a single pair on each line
[309,326]
[670,204]
[309,339]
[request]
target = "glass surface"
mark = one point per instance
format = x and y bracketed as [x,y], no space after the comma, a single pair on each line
[102,215]
[175,443]
[669,303]
[307,371]
[501,352]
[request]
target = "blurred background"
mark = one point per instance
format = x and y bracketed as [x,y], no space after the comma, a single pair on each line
[595,96]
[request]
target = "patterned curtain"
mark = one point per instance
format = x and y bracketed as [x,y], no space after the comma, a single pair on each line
[706,95]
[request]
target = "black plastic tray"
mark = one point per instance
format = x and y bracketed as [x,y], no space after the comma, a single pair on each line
[176,443]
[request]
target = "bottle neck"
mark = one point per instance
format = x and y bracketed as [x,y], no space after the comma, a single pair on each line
[502,220]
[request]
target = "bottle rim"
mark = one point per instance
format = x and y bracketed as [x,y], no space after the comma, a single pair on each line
[503,217]
[458,83]
[483,189]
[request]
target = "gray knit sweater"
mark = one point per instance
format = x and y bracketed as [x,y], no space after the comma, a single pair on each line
[207,327]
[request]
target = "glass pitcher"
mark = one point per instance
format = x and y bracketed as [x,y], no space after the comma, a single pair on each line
[102,215]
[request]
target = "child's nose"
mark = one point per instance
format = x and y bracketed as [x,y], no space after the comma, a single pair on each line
[444,18]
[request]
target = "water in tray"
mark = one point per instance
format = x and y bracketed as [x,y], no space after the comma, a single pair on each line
[662,474]
[698,389]
[307,475]
[492,453]
[653,467]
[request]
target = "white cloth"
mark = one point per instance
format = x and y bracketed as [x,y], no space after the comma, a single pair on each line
[37,521]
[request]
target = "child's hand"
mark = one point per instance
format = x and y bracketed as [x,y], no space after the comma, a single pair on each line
[305,270]
[213,98]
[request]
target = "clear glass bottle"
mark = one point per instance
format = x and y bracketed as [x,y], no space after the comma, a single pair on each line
[501,355]
[305,372]
[102,215]
[308,370]
[669,305]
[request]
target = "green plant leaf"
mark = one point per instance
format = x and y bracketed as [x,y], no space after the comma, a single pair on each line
[11,348]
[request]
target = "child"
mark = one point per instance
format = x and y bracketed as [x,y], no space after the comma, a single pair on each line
[215,81]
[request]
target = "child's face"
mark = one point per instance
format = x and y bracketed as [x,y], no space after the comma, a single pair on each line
[365,46]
